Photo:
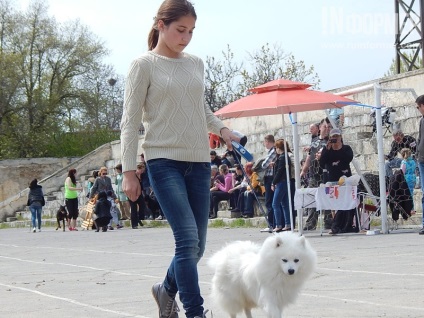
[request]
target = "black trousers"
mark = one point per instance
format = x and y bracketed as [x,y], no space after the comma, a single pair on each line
[138,210]
[343,222]
[72,207]
[216,197]
[269,196]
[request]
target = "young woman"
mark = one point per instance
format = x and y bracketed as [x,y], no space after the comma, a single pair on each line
[35,203]
[249,195]
[165,88]
[71,198]
[280,202]
[220,190]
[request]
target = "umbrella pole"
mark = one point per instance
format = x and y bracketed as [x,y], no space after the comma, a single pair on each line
[287,175]
[253,190]
[297,168]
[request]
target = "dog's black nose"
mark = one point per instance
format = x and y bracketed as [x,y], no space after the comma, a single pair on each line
[291,271]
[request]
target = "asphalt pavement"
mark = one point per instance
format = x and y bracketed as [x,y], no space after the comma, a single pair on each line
[87,274]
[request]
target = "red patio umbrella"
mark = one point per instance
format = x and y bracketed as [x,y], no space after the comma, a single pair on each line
[281,97]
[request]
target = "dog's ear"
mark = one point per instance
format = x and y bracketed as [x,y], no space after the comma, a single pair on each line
[302,240]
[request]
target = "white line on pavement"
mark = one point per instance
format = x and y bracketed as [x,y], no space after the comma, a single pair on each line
[120,313]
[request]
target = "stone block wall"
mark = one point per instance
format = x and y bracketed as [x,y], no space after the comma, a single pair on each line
[15,175]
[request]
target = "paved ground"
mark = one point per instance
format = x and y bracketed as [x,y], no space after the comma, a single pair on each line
[87,274]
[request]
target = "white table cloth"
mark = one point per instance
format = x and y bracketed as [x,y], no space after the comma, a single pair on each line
[326,198]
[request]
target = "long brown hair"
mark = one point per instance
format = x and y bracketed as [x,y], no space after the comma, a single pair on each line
[33,184]
[71,174]
[169,11]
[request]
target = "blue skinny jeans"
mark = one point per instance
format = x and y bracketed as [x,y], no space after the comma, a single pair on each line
[280,204]
[182,189]
[35,214]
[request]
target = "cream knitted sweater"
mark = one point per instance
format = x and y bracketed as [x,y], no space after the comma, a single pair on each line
[167,95]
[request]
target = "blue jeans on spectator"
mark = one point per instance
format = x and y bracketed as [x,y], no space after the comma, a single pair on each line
[390,164]
[421,168]
[36,213]
[281,206]
[249,197]
[269,195]
[182,189]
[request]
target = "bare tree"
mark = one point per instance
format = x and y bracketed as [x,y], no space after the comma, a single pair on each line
[221,79]
[227,81]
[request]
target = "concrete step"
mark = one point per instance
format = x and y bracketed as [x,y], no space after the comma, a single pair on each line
[228,214]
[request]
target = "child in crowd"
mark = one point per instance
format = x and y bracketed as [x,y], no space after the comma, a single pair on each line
[114,211]
[102,215]
[408,166]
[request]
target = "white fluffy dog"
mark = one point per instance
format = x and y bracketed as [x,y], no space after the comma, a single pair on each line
[248,275]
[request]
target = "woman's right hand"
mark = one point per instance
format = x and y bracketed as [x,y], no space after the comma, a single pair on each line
[131,185]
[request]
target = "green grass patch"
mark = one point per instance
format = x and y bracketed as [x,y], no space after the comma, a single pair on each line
[154,223]
[4,226]
[217,223]
[240,223]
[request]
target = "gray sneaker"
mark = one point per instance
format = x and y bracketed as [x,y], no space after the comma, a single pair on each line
[168,307]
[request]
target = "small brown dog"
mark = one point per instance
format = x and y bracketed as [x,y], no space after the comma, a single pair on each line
[62,215]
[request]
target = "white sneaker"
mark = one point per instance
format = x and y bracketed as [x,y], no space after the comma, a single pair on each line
[39,230]
[159,217]
[267,229]
[34,230]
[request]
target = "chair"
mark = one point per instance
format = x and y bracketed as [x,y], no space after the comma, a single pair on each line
[368,203]
[87,224]
[368,208]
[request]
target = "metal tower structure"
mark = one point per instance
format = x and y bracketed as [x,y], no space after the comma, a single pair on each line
[409,34]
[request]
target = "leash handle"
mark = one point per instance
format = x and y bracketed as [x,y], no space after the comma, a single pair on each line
[242,151]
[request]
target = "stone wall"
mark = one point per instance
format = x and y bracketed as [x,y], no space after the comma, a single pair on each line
[15,175]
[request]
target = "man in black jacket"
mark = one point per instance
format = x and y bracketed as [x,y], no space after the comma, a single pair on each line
[335,158]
